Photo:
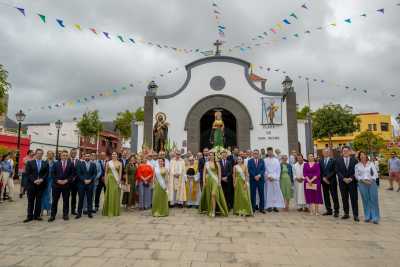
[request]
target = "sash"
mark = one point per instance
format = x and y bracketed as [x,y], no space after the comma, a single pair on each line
[114,172]
[210,172]
[160,179]
[241,174]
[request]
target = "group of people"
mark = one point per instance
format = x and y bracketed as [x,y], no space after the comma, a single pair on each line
[242,181]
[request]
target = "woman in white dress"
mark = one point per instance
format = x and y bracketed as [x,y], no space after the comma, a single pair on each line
[299,184]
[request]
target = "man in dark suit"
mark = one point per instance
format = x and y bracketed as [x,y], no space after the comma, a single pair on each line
[227,178]
[86,174]
[124,161]
[345,169]
[74,184]
[37,171]
[62,174]
[202,162]
[256,168]
[329,182]
[101,185]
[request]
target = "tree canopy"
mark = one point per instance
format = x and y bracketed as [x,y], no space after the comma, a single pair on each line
[123,123]
[302,113]
[139,114]
[4,87]
[368,142]
[333,119]
[90,125]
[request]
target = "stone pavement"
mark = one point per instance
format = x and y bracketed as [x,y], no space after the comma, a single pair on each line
[186,238]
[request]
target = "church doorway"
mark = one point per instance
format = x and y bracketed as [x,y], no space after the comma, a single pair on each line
[206,127]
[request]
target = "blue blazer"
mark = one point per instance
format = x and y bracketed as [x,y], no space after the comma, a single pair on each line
[84,174]
[254,171]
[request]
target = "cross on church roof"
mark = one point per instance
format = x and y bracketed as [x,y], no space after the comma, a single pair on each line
[218,44]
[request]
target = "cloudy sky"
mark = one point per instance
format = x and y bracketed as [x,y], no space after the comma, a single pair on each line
[48,64]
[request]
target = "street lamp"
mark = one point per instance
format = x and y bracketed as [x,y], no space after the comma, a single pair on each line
[152,88]
[20,116]
[311,142]
[58,124]
[287,84]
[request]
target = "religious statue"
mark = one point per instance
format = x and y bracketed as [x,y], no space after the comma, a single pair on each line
[160,132]
[217,132]
[272,109]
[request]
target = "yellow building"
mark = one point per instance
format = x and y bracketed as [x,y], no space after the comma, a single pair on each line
[377,123]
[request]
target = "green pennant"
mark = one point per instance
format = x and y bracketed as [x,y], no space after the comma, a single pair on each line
[120,37]
[42,18]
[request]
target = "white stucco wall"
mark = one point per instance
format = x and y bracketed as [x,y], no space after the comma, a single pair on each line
[237,86]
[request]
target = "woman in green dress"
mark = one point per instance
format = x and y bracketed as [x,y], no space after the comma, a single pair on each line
[160,196]
[212,198]
[242,202]
[129,198]
[112,198]
[286,181]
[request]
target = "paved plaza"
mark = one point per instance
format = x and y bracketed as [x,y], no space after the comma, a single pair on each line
[186,238]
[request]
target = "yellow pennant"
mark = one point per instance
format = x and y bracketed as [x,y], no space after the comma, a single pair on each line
[78,27]
[279,25]
[333,24]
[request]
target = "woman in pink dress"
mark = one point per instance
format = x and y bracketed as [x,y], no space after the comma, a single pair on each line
[312,184]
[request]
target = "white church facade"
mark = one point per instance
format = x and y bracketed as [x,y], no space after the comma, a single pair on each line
[253,117]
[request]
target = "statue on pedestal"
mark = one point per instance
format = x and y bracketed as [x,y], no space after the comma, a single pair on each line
[160,132]
[217,133]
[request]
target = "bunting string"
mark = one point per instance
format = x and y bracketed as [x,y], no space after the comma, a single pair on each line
[347,21]
[319,81]
[217,13]
[83,100]
[120,38]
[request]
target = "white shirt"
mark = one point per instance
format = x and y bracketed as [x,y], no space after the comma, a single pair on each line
[367,172]
[298,170]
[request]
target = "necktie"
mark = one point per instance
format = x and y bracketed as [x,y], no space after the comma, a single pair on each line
[347,163]
[326,162]
[39,164]
[87,166]
[256,163]
[63,166]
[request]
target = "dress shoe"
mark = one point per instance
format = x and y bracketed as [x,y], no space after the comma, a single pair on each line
[356,219]
[85,212]
[328,213]
[346,216]
[390,189]
[269,209]
[65,218]
[275,209]
[28,220]
[336,215]
[301,209]
[90,215]
[38,219]
[262,211]
[78,216]
[74,213]
[51,219]
[375,222]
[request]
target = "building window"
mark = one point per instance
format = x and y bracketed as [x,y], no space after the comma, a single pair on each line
[372,127]
[384,126]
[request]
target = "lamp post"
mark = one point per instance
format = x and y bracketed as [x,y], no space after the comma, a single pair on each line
[58,124]
[20,116]
[310,141]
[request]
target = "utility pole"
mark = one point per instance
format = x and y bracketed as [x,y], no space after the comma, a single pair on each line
[309,123]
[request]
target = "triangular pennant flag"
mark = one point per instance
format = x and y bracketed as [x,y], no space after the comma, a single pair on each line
[363,15]
[319,28]
[214,5]
[333,24]
[78,27]
[93,30]
[286,21]
[382,10]
[307,31]
[284,38]
[133,41]
[365,91]
[107,35]
[304,6]
[293,15]
[279,25]
[265,33]
[20,9]
[348,20]
[216,12]
[42,18]
[296,35]
[60,22]
[273,30]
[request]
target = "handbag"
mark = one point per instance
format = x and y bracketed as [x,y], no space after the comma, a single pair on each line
[126,188]
[311,186]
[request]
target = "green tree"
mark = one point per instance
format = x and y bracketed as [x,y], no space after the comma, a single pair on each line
[368,142]
[90,125]
[302,114]
[4,87]
[333,119]
[123,123]
[139,114]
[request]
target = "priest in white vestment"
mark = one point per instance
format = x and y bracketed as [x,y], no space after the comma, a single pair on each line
[274,197]
[299,184]
[176,180]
